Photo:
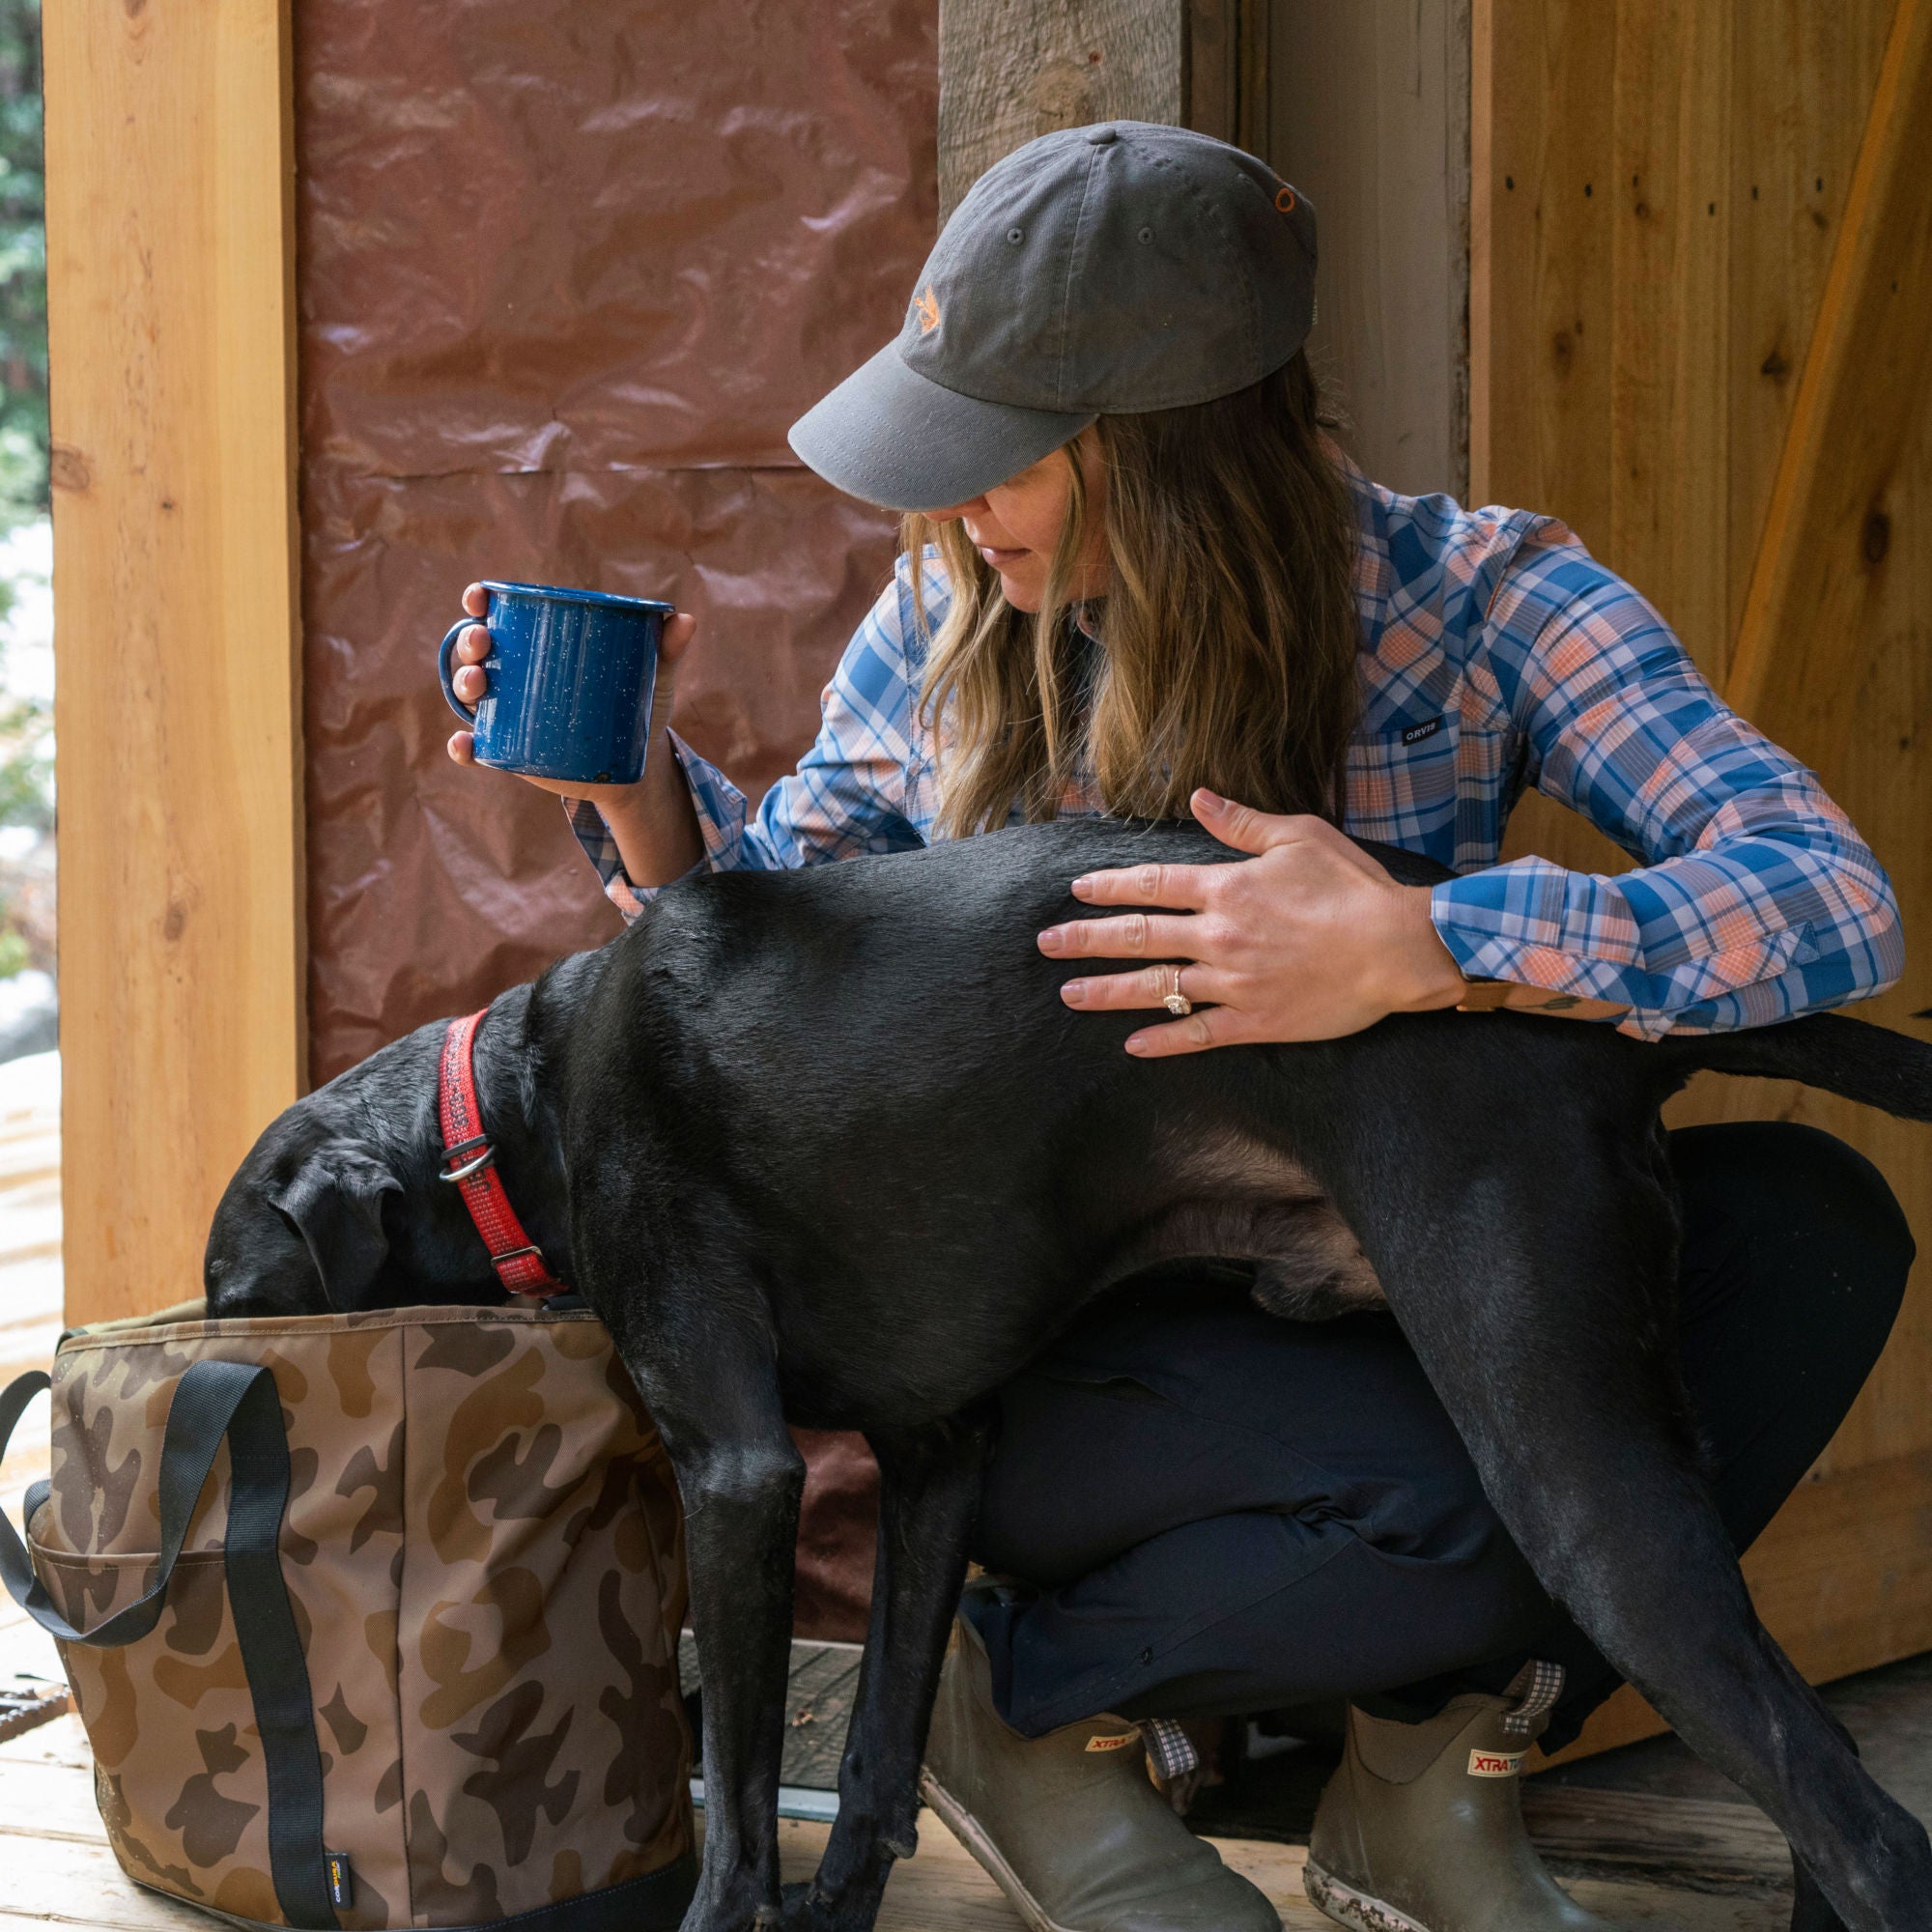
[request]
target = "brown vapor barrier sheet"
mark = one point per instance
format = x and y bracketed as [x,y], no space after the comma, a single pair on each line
[567,271]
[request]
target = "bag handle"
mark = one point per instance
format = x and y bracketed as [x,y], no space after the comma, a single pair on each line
[239,1400]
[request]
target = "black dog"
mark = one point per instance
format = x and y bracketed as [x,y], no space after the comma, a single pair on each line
[825,1145]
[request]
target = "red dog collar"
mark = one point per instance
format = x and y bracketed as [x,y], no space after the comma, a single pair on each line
[470,1162]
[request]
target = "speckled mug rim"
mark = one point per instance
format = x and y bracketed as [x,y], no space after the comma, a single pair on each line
[607,600]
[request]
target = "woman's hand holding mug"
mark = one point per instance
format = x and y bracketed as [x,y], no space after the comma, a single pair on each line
[651,818]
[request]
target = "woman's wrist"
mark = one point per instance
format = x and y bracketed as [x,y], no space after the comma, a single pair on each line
[1426,974]
[653,822]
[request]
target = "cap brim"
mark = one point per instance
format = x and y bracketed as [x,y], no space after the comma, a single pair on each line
[894,437]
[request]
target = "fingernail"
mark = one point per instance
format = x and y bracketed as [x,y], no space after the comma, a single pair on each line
[1075,992]
[1080,886]
[1211,799]
[1137,1043]
[1049,940]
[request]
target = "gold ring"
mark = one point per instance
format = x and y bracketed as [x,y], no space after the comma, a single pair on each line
[1175,1000]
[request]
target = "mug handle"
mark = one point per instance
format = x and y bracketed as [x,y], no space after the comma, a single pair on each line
[444,672]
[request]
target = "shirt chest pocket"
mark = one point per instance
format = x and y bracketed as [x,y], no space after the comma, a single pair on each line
[1402,784]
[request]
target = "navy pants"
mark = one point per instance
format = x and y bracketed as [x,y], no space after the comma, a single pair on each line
[1218,1512]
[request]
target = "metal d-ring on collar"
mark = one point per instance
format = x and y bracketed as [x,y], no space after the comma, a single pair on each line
[468,1167]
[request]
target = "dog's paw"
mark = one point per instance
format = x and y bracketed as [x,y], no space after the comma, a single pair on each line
[805,1908]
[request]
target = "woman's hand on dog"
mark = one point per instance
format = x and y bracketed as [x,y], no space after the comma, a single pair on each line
[651,820]
[1309,940]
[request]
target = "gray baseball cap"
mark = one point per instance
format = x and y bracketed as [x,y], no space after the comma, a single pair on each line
[1099,271]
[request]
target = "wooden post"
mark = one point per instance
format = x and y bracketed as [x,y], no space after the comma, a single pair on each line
[170,205]
[1228,73]
[1009,70]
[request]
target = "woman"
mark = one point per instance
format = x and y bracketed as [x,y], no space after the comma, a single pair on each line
[1138,578]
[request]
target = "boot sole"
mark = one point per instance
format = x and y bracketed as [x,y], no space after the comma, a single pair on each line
[1347,1906]
[961,1824]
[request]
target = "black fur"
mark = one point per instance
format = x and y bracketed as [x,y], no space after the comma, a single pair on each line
[826,1146]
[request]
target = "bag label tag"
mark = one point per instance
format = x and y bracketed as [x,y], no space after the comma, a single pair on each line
[341,1878]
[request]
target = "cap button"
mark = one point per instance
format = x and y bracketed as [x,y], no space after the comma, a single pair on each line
[1100,136]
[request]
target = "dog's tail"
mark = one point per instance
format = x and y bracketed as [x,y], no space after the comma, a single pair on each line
[1853,1057]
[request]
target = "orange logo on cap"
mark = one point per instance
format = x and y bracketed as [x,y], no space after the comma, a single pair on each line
[1285,199]
[926,308]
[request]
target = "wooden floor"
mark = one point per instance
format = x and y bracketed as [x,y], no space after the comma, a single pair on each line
[1686,1863]
[58,1870]
[1669,1861]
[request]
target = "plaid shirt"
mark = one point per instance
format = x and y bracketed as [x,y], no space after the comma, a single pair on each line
[1496,654]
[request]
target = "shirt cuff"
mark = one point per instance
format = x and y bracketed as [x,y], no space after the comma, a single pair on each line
[720,806]
[714,798]
[1516,923]
[1577,932]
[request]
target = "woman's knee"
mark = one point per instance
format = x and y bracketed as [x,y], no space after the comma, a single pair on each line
[1801,1224]
[1790,1191]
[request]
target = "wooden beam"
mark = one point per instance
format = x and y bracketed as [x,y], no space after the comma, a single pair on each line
[170,254]
[1254,79]
[1227,91]
[1212,94]
[1801,644]
[1009,70]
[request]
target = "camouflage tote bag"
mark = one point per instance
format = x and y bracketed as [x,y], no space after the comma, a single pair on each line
[371,1619]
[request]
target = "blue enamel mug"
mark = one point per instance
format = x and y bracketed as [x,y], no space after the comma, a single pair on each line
[571,675]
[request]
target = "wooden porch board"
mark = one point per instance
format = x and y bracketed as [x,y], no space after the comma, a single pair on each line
[1697,1843]
[60,1871]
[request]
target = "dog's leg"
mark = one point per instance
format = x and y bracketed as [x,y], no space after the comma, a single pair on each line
[1546,1322]
[1810,1910]
[717,1409]
[928,1488]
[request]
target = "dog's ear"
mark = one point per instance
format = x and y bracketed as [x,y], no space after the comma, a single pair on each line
[335,1200]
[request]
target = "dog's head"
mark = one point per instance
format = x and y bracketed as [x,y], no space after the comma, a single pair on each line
[338,1208]
[341,1205]
[300,1229]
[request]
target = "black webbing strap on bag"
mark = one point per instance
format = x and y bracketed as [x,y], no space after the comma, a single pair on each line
[212,1399]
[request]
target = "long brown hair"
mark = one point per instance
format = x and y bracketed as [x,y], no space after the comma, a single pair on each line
[1228,634]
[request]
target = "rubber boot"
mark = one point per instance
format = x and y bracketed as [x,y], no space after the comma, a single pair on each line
[1070,1826]
[1421,1828]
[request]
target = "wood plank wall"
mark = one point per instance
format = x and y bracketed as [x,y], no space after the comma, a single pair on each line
[1008,73]
[1658,188]
[1369,115]
[170,296]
